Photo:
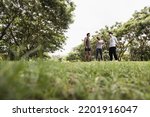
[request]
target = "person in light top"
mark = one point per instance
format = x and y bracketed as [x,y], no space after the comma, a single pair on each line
[99,46]
[112,46]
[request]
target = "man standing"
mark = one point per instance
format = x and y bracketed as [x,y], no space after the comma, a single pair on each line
[87,47]
[112,46]
[99,45]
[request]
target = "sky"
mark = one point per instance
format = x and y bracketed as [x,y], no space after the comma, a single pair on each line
[92,15]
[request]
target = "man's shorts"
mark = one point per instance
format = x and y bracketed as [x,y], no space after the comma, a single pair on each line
[87,49]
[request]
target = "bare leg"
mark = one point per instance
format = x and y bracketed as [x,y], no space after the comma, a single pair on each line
[86,56]
[89,56]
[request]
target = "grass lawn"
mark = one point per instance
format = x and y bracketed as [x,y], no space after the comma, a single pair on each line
[77,80]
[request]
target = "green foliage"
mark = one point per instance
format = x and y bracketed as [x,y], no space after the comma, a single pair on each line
[77,80]
[73,57]
[135,33]
[140,53]
[31,27]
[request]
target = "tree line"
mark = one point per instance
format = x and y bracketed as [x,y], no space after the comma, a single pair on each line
[133,37]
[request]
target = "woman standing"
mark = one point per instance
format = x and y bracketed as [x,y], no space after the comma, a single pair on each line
[99,46]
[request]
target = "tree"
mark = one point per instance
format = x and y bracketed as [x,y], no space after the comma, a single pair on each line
[136,33]
[31,27]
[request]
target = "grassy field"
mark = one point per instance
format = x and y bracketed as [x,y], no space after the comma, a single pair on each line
[77,80]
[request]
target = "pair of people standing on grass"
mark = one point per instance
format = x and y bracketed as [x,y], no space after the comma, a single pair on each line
[112,47]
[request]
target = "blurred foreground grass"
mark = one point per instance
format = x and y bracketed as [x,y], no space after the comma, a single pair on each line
[78,80]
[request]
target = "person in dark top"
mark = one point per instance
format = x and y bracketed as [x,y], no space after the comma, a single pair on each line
[87,47]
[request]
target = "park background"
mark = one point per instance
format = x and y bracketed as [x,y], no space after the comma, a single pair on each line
[34,65]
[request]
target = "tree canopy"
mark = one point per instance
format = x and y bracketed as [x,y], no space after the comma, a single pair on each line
[31,27]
